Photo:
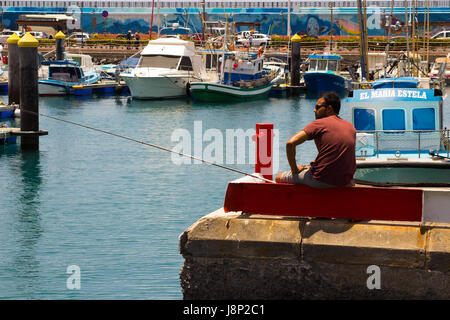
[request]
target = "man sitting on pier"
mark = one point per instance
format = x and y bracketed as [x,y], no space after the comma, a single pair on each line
[335,139]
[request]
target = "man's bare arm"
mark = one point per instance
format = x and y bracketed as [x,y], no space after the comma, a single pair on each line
[292,143]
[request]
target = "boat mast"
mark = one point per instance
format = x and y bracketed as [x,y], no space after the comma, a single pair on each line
[289,20]
[289,25]
[331,5]
[407,37]
[362,14]
[159,18]
[426,33]
[151,20]
[222,71]
[388,38]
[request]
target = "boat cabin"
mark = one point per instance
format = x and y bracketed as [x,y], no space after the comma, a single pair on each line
[324,63]
[66,71]
[242,67]
[168,53]
[397,121]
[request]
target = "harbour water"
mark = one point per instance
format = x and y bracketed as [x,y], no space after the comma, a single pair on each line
[113,207]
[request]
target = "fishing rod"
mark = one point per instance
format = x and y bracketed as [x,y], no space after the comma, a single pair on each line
[149,145]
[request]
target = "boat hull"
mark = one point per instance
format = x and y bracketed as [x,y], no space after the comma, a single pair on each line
[215,92]
[157,87]
[46,88]
[7,111]
[403,173]
[49,87]
[324,82]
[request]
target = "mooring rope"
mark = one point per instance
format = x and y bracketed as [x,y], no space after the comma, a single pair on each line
[149,145]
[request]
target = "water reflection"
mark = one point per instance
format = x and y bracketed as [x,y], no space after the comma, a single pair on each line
[28,227]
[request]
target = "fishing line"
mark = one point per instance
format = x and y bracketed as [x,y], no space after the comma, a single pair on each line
[149,145]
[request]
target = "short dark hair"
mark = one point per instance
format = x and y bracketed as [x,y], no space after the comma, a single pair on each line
[333,100]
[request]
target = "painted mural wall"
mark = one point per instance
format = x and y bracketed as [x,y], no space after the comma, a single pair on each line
[308,21]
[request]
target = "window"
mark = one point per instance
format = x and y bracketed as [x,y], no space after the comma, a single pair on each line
[332,65]
[393,119]
[322,65]
[157,61]
[312,65]
[364,119]
[423,119]
[185,64]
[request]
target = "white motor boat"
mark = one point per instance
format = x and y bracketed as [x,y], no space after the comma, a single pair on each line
[165,70]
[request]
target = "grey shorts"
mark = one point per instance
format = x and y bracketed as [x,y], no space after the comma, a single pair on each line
[304,177]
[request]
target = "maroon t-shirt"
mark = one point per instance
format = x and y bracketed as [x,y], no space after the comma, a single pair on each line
[335,140]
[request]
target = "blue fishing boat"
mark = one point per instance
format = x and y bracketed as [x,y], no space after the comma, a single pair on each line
[63,76]
[323,74]
[400,136]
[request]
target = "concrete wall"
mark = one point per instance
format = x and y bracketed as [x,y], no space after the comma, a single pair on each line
[234,256]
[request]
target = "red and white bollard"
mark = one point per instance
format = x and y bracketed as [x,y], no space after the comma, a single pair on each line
[264,154]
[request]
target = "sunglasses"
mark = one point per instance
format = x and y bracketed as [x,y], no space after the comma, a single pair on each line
[318,106]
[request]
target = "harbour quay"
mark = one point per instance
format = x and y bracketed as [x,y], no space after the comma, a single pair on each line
[238,256]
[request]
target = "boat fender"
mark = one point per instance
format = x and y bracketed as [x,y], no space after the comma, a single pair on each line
[188,89]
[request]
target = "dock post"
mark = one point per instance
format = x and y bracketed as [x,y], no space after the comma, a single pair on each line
[295,65]
[264,155]
[29,95]
[13,70]
[60,39]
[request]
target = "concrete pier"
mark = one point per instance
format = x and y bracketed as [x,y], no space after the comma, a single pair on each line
[236,256]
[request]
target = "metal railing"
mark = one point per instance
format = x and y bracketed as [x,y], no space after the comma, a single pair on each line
[373,142]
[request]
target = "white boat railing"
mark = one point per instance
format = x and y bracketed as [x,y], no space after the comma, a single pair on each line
[374,142]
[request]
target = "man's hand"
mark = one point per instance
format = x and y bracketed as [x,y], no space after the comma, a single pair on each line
[299,169]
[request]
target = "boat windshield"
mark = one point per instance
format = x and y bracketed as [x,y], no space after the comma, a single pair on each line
[332,65]
[312,65]
[159,61]
[322,65]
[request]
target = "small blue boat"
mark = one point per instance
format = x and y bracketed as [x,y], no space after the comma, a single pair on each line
[400,136]
[63,76]
[323,74]
[6,111]
[400,82]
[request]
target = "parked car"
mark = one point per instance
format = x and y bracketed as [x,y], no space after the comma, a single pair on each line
[5,34]
[257,40]
[445,34]
[39,34]
[80,37]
